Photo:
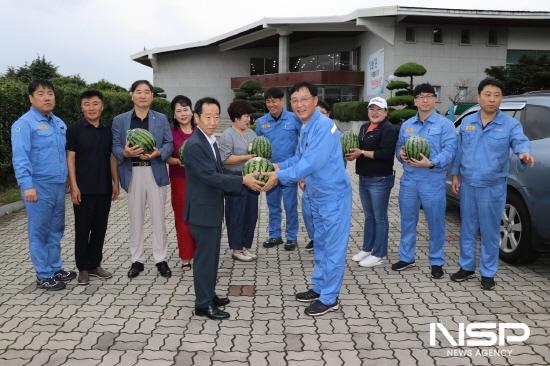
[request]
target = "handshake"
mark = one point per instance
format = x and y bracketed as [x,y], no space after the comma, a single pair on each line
[252,182]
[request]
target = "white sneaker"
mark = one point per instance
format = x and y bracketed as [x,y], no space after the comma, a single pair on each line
[360,256]
[371,261]
[249,253]
[241,256]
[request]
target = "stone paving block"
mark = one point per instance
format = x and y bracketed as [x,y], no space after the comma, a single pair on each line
[184,358]
[111,358]
[332,358]
[58,358]
[202,358]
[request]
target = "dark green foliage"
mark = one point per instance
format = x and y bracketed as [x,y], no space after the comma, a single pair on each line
[14,102]
[406,99]
[181,152]
[410,69]
[251,91]
[38,69]
[402,92]
[400,115]
[350,111]
[158,92]
[104,85]
[528,74]
[397,84]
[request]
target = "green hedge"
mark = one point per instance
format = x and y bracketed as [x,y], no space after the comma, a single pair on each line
[15,102]
[401,115]
[350,111]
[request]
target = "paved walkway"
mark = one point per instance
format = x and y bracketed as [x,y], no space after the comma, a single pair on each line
[384,318]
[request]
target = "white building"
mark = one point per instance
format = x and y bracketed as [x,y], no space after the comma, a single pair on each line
[350,57]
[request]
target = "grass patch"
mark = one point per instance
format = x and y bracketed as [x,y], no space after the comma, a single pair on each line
[9,195]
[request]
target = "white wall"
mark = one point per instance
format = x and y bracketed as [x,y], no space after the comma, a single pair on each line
[528,39]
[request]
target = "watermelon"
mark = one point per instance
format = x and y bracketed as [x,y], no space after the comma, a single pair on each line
[349,140]
[180,152]
[142,138]
[260,146]
[258,165]
[415,146]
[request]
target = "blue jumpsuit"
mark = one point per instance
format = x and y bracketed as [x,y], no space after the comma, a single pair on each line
[283,135]
[39,162]
[318,160]
[482,161]
[425,186]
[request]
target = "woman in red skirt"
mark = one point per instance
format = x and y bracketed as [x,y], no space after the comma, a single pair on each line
[183,127]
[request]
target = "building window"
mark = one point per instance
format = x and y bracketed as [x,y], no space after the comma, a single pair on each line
[257,66]
[492,39]
[513,56]
[335,61]
[410,35]
[437,35]
[437,89]
[465,36]
[271,65]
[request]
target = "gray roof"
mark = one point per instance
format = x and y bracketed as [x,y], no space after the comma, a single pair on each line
[354,21]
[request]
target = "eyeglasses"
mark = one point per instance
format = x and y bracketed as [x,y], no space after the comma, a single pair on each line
[300,101]
[424,97]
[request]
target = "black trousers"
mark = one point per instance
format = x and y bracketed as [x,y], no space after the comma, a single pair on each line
[205,262]
[90,221]
[241,214]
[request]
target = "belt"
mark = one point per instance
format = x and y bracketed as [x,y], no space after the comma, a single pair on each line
[141,163]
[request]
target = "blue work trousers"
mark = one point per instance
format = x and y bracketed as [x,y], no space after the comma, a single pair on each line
[289,195]
[332,221]
[431,194]
[481,210]
[45,227]
[306,214]
[375,196]
[241,214]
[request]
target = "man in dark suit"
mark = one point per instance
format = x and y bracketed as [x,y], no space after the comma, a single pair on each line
[206,184]
[144,176]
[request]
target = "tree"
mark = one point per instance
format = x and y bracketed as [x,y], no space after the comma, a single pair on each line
[105,85]
[38,69]
[403,99]
[251,91]
[463,91]
[158,92]
[529,74]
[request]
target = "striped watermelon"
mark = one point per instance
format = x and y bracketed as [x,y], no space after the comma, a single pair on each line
[142,138]
[259,165]
[260,146]
[180,152]
[415,146]
[349,140]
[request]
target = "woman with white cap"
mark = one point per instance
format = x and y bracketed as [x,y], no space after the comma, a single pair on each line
[374,165]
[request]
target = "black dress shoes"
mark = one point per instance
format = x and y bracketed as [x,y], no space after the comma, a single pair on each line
[220,301]
[212,312]
[164,270]
[136,268]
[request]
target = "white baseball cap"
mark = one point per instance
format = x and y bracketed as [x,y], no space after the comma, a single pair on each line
[379,101]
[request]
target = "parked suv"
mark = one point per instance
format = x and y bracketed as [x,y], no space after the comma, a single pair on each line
[525,225]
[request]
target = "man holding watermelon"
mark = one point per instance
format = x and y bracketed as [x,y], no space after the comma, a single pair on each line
[318,161]
[426,146]
[282,129]
[143,173]
[479,172]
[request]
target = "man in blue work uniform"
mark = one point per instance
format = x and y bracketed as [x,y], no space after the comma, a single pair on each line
[282,129]
[423,181]
[318,161]
[40,165]
[479,171]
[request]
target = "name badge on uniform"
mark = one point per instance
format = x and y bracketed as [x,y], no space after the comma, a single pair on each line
[43,127]
[409,130]
[470,128]
[266,125]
